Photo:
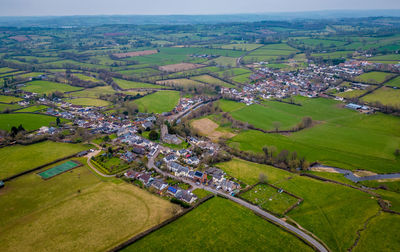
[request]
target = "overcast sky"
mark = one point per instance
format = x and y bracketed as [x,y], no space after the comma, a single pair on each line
[157,7]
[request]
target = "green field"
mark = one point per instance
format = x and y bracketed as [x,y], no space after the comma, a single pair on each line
[75,211]
[384,95]
[28,121]
[4,107]
[34,108]
[125,84]
[269,198]
[19,158]
[243,78]
[355,141]
[394,82]
[89,102]
[224,61]
[333,55]
[86,77]
[180,83]
[47,87]
[9,99]
[374,77]
[6,70]
[219,225]
[56,170]
[211,80]
[29,75]
[162,101]
[352,94]
[242,47]
[332,212]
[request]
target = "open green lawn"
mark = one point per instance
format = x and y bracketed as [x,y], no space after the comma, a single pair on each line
[333,55]
[75,211]
[6,70]
[85,77]
[381,234]
[4,107]
[29,75]
[394,82]
[89,102]
[219,225]
[19,158]
[180,83]
[34,108]
[125,84]
[384,95]
[9,99]
[162,101]
[28,121]
[224,61]
[242,47]
[374,77]
[269,198]
[243,78]
[355,141]
[352,93]
[332,212]
[211,80]
[94,92]
[47,87]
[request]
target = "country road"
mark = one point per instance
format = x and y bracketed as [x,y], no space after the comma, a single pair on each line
[92,154]
[299,233]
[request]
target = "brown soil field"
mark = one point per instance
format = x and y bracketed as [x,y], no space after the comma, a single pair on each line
[134,54]
[208,128]
[179,67]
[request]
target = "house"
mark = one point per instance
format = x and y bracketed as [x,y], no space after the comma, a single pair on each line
[138,150]
[147,125]
[174,167]
[172,190]
[159,184]
[170,158]
[181,152]
[193,160]
[188,197]
[131,174]
[182,171]
[128,156]
[145,179]
[200,176]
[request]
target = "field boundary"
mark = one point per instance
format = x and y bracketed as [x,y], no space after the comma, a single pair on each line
[162,224]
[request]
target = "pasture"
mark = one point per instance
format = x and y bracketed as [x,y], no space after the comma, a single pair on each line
[352,93]
[6,70]
[384,95]
[219,224]
[332,212]
[162,101]
[374,77]
[179,67]
[243,78]
[394,82]
[205,78]
[9,99]
[85,77]
[75,211]
[4,107]
[47,87]
[180,83]
[89,102]
[34,108]
[224,61]
[208,128]
[241,47]
[19,158]
[125,84]
[28,121]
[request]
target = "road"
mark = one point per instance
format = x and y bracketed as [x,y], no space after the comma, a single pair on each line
[254,208]
[92,154]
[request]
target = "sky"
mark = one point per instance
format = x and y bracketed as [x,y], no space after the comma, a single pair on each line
[161,7]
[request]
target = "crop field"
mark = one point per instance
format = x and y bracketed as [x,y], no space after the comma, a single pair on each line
[374,77]
[9,99]
[34,108]
[394,82]
[241,47]
[179,67]
[28,121]
[224,61]
[207,127]
[356,141]
[19,158]
[89,102]
[269,198]
[219,225]
[205,78]
[180,83]
[162,101]
[75,211]
[47,87]
[384,95]
[125,84]
[332,212]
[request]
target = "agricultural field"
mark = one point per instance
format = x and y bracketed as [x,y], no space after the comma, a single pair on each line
[85,77]
[179,67]
[374,77]
[241,47]
[33,109]
[352,94]
[269,198]
[356,141]
[76,211]
[47,87]
[28,121]
[269,53]
[243,78]
[332,212]
[223,61]
[89,102]
[219,225]
[19,158]
[95,92]
[384,95]
[139,72]
[9,99]
[205,78]
[322,43]
[394,82]
[125,84]
[10,107]
[180,83]
[28,75]
[207,127]
[6,70]
[333,55]
[161,101]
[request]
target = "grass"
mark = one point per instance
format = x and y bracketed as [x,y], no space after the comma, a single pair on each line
[200,193]
[125,84]
[333,55]
[384,95]
[352,93]
[4,107]
[86,77]
[212,80]
[33,109]
[47,87]
[356,141]
[224,61]
[9,99]
[219,225]
[28,121]
[19,158]
[374,77]
[229,106]
[394,82]
[94,92]
[241,47]
[180,83]
[6,70]
[89,102]
[381,234]
[162,101]
[269,198]
[75,211]
[243,78]
[29,75]
[332,212]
